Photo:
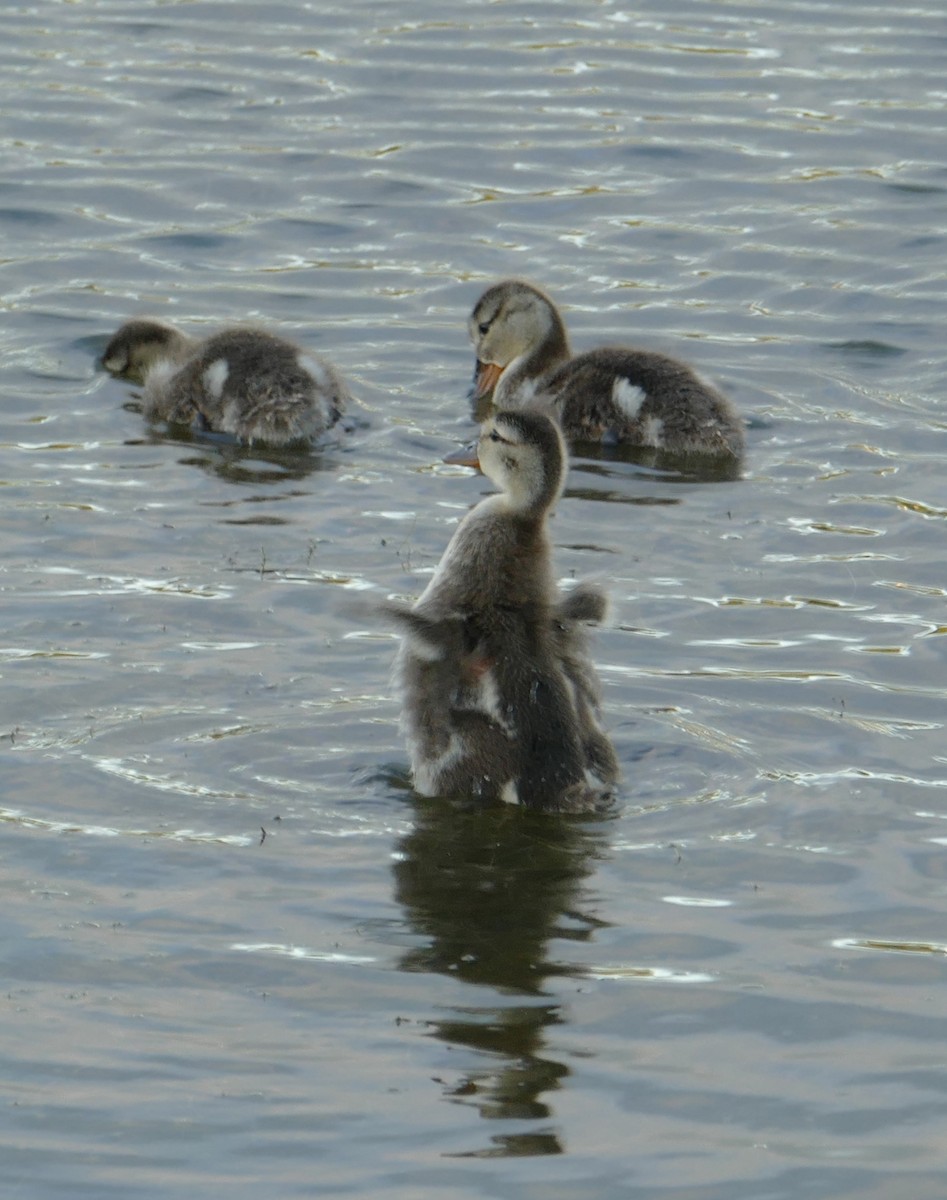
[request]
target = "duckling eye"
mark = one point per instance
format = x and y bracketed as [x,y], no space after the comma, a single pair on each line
[494,436]
[484,326]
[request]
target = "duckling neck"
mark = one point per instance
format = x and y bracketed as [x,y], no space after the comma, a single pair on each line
[523,376]
[529,500]
[498,556]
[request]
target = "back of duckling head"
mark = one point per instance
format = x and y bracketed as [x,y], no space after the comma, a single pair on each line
[137,345]
[524,454]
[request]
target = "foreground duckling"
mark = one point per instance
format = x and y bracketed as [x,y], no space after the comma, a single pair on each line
[242,381]
[612,395]
[500,702]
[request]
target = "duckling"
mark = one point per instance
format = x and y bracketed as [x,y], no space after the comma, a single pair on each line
[452,647]
[242,381]
[611,395]
[500,702]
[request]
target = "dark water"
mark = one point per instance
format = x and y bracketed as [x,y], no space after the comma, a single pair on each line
[733,990]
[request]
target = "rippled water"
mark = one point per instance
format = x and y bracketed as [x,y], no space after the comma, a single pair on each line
[240,958]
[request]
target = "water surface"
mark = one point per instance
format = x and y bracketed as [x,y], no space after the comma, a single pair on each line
[240,957]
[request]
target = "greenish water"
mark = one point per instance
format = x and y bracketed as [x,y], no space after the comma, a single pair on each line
[240,957]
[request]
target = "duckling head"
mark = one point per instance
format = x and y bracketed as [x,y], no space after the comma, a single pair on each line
[524,455]
[511,321]
[139,344]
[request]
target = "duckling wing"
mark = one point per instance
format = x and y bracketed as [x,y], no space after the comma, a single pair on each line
[599,755]
[595,399]
[643,398]
[259,387]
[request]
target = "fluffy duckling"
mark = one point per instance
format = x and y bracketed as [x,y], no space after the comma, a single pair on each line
[242,381]
[500,702]
[612,395]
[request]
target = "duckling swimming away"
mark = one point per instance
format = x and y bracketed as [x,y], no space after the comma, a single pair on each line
[500,701]
[611,395]
[241,381]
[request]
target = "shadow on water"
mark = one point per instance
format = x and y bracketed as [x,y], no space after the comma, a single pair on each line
[231,460]
[488,890]
[868,352]
[257,465]
[659,464]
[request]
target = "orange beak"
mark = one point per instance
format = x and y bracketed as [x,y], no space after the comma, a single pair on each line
[466,456]
[486,377]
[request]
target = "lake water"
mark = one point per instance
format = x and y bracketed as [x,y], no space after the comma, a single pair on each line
[239,957]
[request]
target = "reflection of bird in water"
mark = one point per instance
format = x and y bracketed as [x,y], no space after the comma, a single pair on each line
[610,395]
[242,381]
[484,891]
[500,701]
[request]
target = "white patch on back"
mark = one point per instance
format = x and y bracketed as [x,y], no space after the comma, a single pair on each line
[652,432]
[488,697]
[230,418]
[312,366]
[215,376]
[508,793]
[429,771]
[628,396]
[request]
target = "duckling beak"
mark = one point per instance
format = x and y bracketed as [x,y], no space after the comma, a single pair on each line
[466,456]
[486,377]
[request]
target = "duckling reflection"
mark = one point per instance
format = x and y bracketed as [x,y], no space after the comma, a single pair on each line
[612,395]
[486,891]
[243,382]
[500,699]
